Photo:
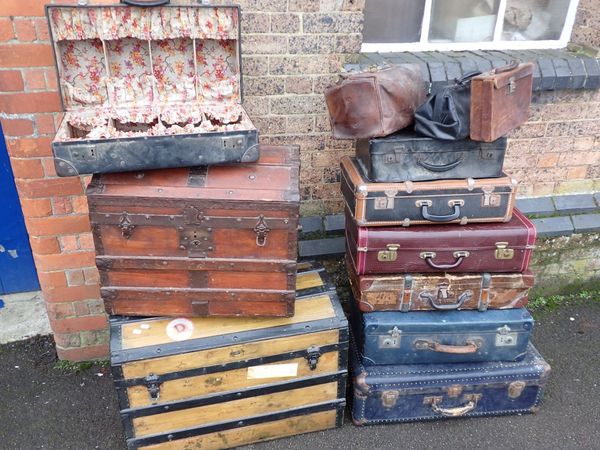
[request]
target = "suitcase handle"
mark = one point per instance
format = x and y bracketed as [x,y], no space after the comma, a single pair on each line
[468,348]
[462,298]
[146,2]
[460,257]
[442,168]
[452,412]
[425,204]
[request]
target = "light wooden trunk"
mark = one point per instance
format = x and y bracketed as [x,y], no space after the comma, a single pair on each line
[221,382]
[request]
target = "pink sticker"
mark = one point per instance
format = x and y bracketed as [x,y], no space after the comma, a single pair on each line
[180,329]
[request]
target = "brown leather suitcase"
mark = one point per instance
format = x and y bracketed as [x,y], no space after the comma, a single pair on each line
[426,202]
[500,101]
[216,241]
[443,292]
[490,247]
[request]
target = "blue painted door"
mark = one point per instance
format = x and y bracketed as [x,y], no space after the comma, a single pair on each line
[17,269]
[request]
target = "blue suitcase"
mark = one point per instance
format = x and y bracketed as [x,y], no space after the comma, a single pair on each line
[394,337]
[405,393]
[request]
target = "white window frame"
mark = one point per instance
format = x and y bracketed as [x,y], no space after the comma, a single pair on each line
[495,44]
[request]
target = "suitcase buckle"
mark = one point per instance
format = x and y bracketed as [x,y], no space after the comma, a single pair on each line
[512,85]
[503,252]
[506,337]
[391,254]
[515,389]
[153,384]
[391,341]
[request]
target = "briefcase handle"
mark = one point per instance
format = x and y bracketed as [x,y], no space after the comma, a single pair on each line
[462,298]
[513,65]
[146,2]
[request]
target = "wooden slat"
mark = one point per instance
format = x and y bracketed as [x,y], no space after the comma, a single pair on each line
[230,380]
[229,354]
[153,332]
[234,410]
[308,280]
[254,433]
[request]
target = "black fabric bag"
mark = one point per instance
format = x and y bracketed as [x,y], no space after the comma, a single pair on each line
[446,114]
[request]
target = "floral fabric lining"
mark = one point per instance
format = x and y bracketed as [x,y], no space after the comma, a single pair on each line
[188,118]
[118,22]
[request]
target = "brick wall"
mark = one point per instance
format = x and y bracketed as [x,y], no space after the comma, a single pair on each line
[293,49]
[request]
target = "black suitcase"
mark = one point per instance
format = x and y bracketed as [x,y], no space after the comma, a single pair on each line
[149,88]
[406,156]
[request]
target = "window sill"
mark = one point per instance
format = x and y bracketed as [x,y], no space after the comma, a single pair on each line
[554,70]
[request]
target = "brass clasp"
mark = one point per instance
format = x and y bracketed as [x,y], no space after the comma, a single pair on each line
[391,254]
[503,252]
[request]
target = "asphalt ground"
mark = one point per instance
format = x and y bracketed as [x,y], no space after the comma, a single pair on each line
[43,407]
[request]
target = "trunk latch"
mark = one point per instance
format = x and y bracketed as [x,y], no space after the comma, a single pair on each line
[262,230]
[312,356]
[391,254]
[389,399]
[503,252]
[506,337]
[153,384]
[126,225]
[391,341]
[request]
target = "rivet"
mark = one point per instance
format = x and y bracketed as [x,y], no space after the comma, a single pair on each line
[209,229]
[182,247]
[159,190]
[239,219]
[252,177]
[147,217]
[210,249]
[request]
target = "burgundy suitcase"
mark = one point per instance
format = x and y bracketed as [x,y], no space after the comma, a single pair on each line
[492,247]
[441,292]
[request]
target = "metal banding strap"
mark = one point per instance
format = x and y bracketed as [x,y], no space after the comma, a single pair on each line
[484,297]
[406,301]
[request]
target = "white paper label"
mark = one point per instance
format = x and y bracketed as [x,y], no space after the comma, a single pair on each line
[273,371]
[180,329]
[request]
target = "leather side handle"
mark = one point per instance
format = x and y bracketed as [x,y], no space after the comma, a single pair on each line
[425,204]
[468,348]
[440,168]
[462,298]
[429,256]
[456,411]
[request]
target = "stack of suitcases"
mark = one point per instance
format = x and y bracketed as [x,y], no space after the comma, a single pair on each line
[218,338]
[438,265]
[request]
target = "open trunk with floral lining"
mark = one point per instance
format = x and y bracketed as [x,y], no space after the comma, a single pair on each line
[149,88]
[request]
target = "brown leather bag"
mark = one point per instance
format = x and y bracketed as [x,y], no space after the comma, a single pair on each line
[500,101]
[375,103]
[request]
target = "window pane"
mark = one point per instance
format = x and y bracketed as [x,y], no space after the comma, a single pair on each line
[463,20]
[534,20]
[393,21]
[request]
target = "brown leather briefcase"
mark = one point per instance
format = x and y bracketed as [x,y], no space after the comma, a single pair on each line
[375,103]
[500,101]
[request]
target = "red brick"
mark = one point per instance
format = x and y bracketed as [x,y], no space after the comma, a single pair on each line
[49,168]
[83,353]
[577,173]
[70,294]
[41,29]
[80,205]
[27,168]
[86,241]
[22,7]
[11,80]
[45,123]
[52,280]
[67,340]
[73,324]
[69,244]
[49,226]
[61,206]
[30,147]
[26,55]
[67,261]
[30,102]
[25,29]
[6,29]
[35,79]
[51,80]
[58,311]
[44,245]
[36,207]
[17,127]
[50,187]
[91,275]
[75,277]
